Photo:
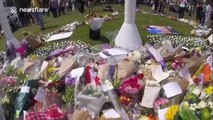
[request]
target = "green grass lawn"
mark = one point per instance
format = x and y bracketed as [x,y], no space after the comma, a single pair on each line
[82,32]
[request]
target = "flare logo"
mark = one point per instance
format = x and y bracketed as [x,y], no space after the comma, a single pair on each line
[13,10]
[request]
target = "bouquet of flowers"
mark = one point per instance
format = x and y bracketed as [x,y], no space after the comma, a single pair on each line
[132,86]
[197,104]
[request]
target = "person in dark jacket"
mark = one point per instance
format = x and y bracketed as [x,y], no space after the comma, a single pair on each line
[53,4]
[156,5]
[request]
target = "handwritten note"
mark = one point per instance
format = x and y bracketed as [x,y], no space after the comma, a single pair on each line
[172,89]
[158,74]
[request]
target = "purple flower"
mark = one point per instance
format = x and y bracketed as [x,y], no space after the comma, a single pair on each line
[69,80]
[56,52]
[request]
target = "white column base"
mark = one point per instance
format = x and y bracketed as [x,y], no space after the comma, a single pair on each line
[128,37]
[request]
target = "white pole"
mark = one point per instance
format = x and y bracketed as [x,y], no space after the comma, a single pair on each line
[6,27]
[128,36]
[130,11]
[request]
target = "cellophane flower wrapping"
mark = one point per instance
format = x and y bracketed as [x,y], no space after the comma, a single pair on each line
[96,23]
[197,104]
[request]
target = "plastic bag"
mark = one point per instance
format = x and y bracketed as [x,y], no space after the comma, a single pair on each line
[111,36]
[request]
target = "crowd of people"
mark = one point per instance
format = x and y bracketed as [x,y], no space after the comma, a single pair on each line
[201,8]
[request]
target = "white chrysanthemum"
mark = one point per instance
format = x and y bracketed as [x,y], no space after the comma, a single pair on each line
[196,91]
[202,104]
[192,108]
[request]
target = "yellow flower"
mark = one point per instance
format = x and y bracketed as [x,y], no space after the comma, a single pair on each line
[144,118]
[33,57]
[171,112]
[52,69]
[209,90]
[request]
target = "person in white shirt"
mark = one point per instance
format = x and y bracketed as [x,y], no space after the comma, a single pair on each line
[182,8]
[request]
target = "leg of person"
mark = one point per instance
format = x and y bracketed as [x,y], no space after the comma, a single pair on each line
[55,12]
[40,17]
[35,16]
[156,7]
[30,14]
[59,11]
[183,10]
[63,10]
[180,12]
[159,9]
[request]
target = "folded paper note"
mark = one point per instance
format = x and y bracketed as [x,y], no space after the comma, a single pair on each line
[172,89]
[158,74]
[149,97]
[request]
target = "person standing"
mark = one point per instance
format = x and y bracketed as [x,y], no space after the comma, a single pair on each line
[162,6]
[73,5]
[53,4]
[61,6]
[38,15]
[208,13]
[203,17]
[81,4]
[156,5]
[182,7]
[90,5]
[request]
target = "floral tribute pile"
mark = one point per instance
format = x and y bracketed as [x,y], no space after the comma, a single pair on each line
[71,81]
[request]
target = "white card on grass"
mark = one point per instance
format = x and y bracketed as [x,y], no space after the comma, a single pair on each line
[172,89]
[110,113]
[158,74]
[40,96]
[25,89]
[77,72]
[161,113]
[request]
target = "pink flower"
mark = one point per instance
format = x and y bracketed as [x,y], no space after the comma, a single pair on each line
[160,102]
[132,85]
